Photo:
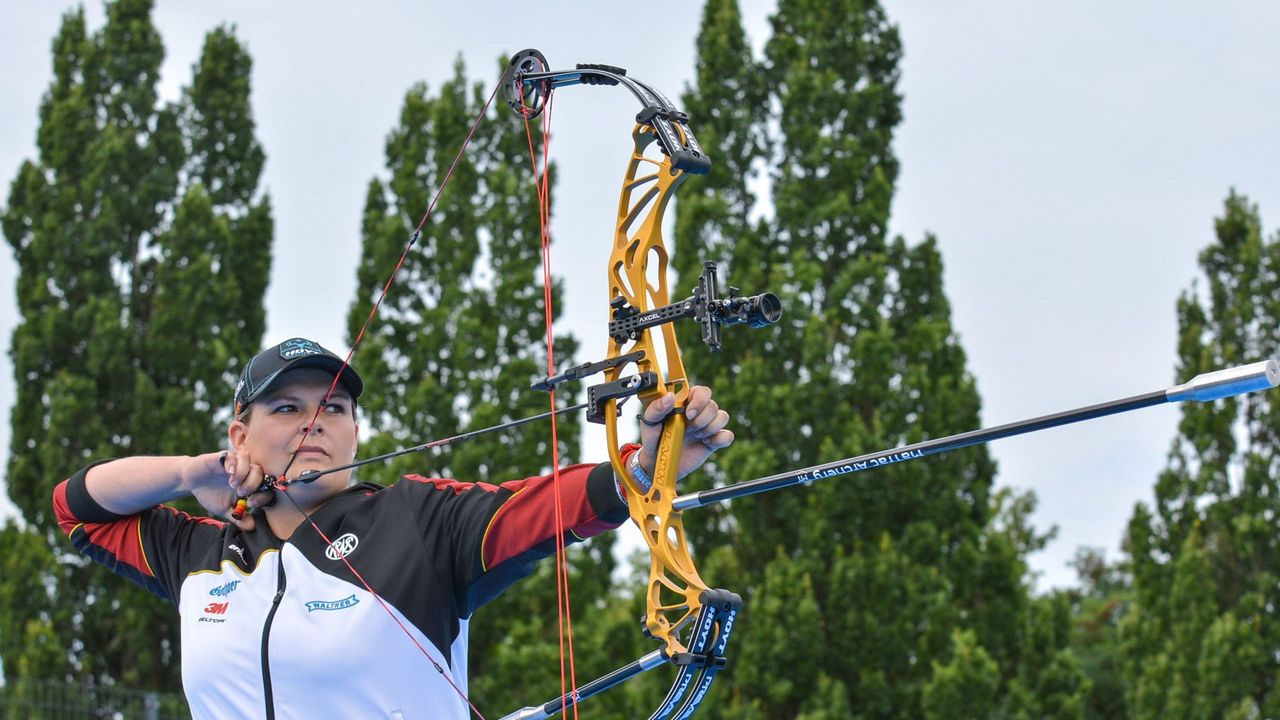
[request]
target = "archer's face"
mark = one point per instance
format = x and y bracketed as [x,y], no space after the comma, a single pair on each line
[278,421]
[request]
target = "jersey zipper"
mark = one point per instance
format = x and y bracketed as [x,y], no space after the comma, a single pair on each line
[266,636]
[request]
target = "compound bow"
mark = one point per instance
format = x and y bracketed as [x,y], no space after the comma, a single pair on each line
[692,621]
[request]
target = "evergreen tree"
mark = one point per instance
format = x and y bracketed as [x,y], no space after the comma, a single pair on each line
[1200,641]
[869,596]
[728,108]
[1099,604]
[455,346]
[143,247]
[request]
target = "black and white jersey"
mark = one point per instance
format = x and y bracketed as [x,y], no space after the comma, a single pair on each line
[283,629]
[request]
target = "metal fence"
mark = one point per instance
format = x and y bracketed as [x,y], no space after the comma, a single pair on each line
[55,700]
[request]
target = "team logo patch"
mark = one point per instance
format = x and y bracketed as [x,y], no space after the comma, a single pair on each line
[213,612]
[342,604]
[342,547]
[224,590]
[298,348]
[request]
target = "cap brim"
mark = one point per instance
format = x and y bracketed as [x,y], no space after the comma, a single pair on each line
[350,379]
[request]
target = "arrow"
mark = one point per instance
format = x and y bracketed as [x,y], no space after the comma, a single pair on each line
[1205,387]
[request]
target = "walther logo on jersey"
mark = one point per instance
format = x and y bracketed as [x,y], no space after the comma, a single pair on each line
[225,589]
[344,603]
[342,547]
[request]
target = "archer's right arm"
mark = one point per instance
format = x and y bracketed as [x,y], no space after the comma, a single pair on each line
[130,485]
[112,514]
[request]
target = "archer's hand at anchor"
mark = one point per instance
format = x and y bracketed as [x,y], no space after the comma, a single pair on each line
[231,480]
[705,429]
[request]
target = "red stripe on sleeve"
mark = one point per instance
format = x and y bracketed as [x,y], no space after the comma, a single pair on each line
[66,521]
[121,539]
[528,517]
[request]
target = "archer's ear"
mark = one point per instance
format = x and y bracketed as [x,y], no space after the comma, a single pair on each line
[238,434]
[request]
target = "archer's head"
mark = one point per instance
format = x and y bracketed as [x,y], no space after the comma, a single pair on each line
[280,392]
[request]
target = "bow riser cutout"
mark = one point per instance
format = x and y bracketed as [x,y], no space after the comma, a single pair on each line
[638,275]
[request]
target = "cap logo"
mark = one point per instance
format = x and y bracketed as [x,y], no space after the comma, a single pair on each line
[299,348]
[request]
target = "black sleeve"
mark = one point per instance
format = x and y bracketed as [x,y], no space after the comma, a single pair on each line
[156,548]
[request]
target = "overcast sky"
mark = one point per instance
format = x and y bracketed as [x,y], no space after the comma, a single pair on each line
[1070,157]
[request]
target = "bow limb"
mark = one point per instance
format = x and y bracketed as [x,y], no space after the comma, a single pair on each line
[638,275]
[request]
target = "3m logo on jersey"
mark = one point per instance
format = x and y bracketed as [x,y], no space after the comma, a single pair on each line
[342,604]
[214,609]
[342,547]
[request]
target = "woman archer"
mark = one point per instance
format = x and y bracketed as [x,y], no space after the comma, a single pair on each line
[275,621]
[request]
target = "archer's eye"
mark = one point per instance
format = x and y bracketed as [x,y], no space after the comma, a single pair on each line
[285,409]
[335,409]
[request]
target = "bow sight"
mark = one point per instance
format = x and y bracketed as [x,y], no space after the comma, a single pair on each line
[705,306]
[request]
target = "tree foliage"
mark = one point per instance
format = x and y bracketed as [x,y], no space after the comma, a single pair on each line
[1200,639]
[142,241]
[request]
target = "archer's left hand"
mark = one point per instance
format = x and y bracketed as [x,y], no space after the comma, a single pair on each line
[704,433]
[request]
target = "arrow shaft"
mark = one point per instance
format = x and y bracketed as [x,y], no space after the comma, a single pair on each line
[1206,387]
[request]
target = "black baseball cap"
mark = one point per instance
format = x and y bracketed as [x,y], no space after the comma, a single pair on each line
[267,366]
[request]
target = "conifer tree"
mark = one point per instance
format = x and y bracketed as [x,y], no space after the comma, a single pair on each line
[1200,639]
[728,109]
[876,595]
[143,246]
[456,344]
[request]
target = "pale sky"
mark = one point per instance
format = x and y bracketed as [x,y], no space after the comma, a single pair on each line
[1070,157]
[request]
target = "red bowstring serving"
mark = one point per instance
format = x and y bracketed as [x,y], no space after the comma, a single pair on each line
[569,684]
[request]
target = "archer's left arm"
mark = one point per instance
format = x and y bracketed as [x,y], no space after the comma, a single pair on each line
[500,531]
[494,534]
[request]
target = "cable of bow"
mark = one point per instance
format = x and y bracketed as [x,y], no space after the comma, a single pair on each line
[564,613]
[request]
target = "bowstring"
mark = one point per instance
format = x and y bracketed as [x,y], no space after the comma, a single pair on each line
[569,682]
